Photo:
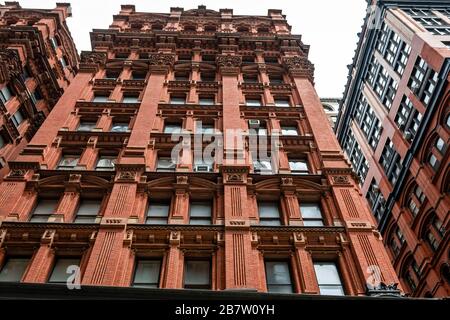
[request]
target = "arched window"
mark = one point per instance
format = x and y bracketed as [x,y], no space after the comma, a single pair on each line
[396,241]
[411,273]
[433,231]
[436,153]
[415,199]
[190,28]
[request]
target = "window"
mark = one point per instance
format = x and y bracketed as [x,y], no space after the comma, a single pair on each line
[393,48]
[311,214]
[100,98]
[415,200]
[43,210]
[204,128]
[423,81]
[54,43]
[440,145]
[146,273]
[200,213]
[63,62]
[298,166]
[208,77]
[87,211]
[13,269]
[289,131]
[130,99]
[271,59]
[282,102]
[60,272]
[248,59]
[177,99]
[262,166]
[105,163]
[391,162]
[257,127]
[112,74]
[253,102]
[434,231]
[197,274]
[157,213]
[17,118]
[172,128]
[353,150]
[376,200]
[368,121]
[119,127]
[408,119]
[276,79]
[2,141]
[86,126]
[381,82]
[182,76]
[136,75]
[278,277]
[250,78]
[269,214]
[68,162]
[122,55]
[328,279]
[165,164]
[206,101]
[437,153]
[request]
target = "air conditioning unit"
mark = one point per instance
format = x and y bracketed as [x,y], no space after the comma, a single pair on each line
[202,168]
[376,189]
[254,123]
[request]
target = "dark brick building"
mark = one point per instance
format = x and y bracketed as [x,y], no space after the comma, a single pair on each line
[394,125]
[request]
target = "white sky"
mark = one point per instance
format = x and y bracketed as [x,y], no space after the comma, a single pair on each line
[328,26]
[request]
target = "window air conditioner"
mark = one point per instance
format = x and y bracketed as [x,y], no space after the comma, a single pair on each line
[253,123]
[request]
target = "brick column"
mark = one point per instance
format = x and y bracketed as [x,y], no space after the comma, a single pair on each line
[303,259]
[42,261]
[174,261]
[289,203]
[180,211]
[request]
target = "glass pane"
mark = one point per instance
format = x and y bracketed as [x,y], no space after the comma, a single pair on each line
[100,99]
[119,127]
[172,128]
[45,206]
[197,273]
[310,210]
[89,207]
[166,163]
[153,220]
[277,272]
[198,209]
[14,269]
[280,288]
[289,131]
[206,101]
[313,223]
[69,161]
[59,273]
[39,218]
[298,165]
[331,290]
[147,272]
[200,221]
[268,210]
[177,100]
[107,163]
[158,210]
[327,273]
[86,126]
[269,222]
[130,99]
[85,219]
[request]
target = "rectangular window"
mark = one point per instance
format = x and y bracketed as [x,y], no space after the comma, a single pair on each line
[100,98]
[181,76]
[138,75]
[423,81]
[298,166]
[328,279]
[5,94]
[112,74]
[177,100]
[205,128]
[170,128]
[61,267]
[130,99]
[278,277]
[282,102]
[63,62]
[210,77]
[206,101]
[2,141]
[86,126]
[197,274]
[311,214]
[105,163]
[276,79]
[250,78]
[262,166]
[376,200]
[87,211]
[354,153]
[146,273]
[253,102]
[13,269]
[289,131]
[200,213]
[391,162]
[269,214]
[43,210]
[165,164]
[68,162]
[119,127]
[17,118]
[408,119]
[157,213]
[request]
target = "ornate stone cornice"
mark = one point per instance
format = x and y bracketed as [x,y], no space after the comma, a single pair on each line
[229,64]
[91,61]
[9,64]
[160,62]
[299,66]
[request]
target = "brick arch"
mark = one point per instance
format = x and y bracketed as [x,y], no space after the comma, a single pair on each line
[202,183]
[428,143]
[96,181]
[53,180]
[445,184]
[309,185]
[445,111]
[404,261]
[267,184]
[161,182]
[423,221]
[409,186]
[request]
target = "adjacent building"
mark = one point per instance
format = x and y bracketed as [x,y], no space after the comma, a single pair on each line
[331,107]
[98,191]
[38,60]
[394,125]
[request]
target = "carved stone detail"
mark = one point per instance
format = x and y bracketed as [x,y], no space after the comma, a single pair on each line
[340,180]
[299,66]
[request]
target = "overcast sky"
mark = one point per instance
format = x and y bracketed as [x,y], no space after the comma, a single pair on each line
[328,26]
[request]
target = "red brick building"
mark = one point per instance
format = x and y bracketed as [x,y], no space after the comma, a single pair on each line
[394,125]
[38,60]
[97,187]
